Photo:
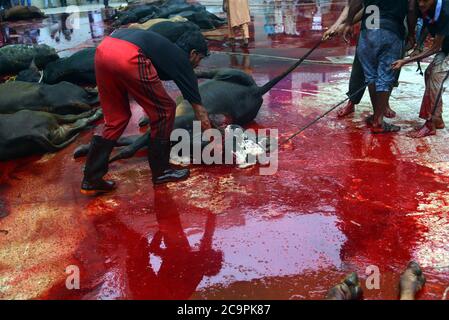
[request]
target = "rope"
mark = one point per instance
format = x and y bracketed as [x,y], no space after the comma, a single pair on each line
[323,62]
[308,125]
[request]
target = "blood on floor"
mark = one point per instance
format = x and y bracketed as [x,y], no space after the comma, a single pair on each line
[342,199]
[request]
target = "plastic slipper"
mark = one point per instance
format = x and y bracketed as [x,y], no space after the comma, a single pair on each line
[385,128]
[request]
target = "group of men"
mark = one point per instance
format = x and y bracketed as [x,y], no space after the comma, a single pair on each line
[387,34]
[133,62]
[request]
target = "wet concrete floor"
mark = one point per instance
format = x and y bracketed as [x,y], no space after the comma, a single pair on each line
[342,200]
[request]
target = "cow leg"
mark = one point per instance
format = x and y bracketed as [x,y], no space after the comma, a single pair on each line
[66,131]
[83,149]
[71,118]
[130,150]
[206,74]
[144,121]
[79,106]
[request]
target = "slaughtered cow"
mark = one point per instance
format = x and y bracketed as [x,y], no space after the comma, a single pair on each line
[28,132]
[150,23]
[79,68]
[21,13]
[18,57]
[229,94]
[61,98]
[195,13]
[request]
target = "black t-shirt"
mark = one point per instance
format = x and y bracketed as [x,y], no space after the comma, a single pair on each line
[440,26]
[170,61]
[392,15]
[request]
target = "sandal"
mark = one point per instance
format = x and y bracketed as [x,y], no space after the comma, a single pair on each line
[385,128]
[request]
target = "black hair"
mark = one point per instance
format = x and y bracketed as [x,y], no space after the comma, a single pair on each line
[193,41]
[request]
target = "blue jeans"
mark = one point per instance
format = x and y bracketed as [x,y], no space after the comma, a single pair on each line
[28,2]
[377,50]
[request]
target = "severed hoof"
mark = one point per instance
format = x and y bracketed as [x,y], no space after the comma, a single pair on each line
[347,110]
[424,131]
[412,281]
[348,289]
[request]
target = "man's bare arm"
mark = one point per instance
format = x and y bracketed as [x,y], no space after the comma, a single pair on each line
[354,7]
[337,27]
[436,47]
[412,18]
[333,29]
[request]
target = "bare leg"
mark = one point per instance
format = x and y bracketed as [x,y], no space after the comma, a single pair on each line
[412,281]
[347,110]
[245,32]
[380,102]
[389,113]
[428,129]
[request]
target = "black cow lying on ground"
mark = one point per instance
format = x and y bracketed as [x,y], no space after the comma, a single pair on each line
[28,132]
[196,13]
[61,98]
[228,94]
[174,30]
[79,68]
[18,57]
[21,13]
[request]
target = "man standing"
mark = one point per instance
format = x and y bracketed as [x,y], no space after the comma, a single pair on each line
[435,14]
[357,79]
[238,17]
[133,62]
[381,42]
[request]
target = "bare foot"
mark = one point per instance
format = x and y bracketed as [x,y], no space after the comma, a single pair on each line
[425,131]
[412,281]
[348,289]
[390,113]
[439,124]
[347,110]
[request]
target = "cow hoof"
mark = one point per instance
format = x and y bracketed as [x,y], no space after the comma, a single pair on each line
[81,151]
[348,289]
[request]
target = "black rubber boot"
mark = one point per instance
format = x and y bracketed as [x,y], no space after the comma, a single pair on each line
[158,158]
[96,167]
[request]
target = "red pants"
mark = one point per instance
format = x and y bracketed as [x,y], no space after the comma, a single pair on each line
[122,71]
